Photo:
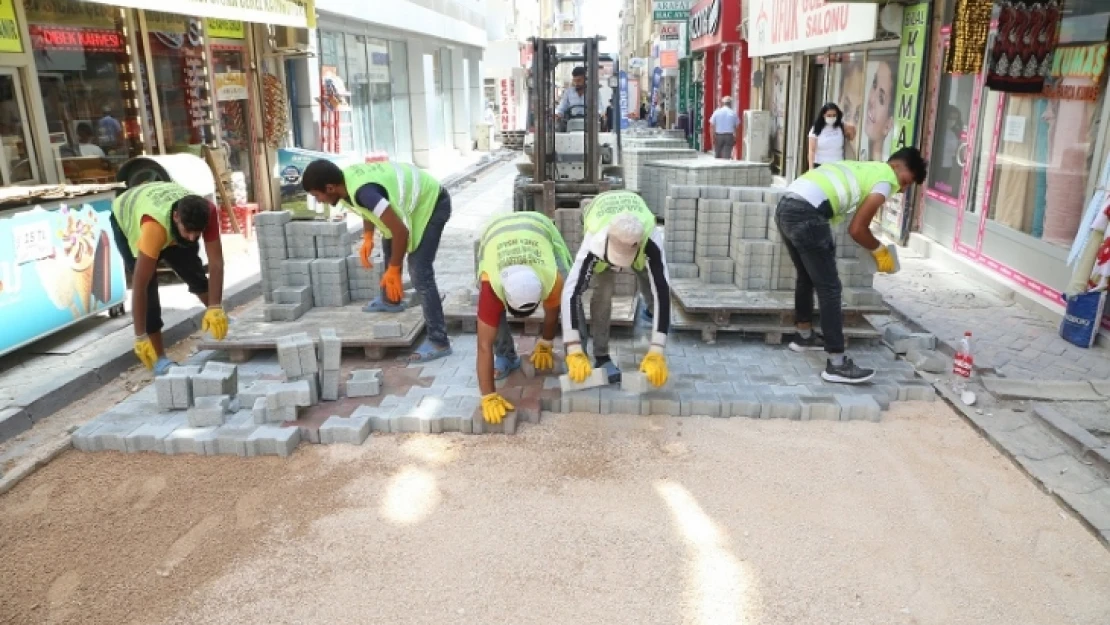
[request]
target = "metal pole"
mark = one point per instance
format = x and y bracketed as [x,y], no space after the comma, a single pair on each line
[592,90]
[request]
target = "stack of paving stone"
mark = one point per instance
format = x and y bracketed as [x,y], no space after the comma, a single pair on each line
[659,176]
[636,159]
[306,264]
[712,239]
[654,142]
[569,223]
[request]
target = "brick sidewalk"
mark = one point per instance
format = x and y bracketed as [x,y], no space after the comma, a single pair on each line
[1007,337]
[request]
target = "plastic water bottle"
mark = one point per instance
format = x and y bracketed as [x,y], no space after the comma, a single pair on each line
[964,362]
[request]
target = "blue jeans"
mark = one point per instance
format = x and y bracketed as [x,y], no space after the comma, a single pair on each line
[809,241]
[422,270]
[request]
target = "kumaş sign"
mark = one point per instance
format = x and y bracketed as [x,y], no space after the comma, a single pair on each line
[784,26]
[671,10]
[1084,65]
[706,20]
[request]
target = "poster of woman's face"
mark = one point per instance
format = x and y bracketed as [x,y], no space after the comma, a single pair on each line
[850,99]
[878,121]
[780,82]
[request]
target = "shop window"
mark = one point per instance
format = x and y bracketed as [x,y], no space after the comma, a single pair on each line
[381,95]
[402,107]
[18,163]
[950,139]
[180,81]
[88,90]
[775,101]
[358,83]
[231,86]
[847,77]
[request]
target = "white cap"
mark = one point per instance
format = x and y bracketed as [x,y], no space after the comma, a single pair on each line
[522,286]
[623,238]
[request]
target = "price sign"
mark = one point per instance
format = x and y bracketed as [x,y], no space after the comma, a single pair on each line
[32,242]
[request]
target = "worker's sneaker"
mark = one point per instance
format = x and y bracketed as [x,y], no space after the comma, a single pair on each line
[812,344]
[847,373]
[163,366]
[611,370]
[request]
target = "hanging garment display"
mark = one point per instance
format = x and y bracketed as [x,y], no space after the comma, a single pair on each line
[969,37]
[1021,55]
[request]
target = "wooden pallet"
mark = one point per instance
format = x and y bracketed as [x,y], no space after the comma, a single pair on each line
[250,333]
[713,308]
[463,315]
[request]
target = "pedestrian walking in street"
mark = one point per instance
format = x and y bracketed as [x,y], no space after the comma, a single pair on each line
[410,209]
[522,264]
[724,124]
[828,135]
[813,201]
[620,235]
[164,221]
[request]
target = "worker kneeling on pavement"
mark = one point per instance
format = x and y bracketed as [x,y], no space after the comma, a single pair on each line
[164,221]
[813,201]
[522,264]
[410,208]
[620,235]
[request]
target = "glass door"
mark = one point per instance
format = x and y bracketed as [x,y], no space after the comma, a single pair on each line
[18,165]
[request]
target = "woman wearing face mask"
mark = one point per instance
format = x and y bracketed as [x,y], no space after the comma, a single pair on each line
[828,135]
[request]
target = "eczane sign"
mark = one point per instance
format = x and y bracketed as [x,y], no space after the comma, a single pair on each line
[784,26]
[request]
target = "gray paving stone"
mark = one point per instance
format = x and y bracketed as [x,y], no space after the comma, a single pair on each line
[113,436]
[364,383]
[377,416]
[151,435]
[665,404]
[84,438]
[352,430]
[231,438]
[701,404]
[780,407]
[209,411]
[635,382]
[1030,441]
[741,405]
[217,378]
[386,330]
[858,408]
[258,389]
[596,378]
[820,407]
[587,400]
[273,440]
[916,390]
[190,440]
[1058,390]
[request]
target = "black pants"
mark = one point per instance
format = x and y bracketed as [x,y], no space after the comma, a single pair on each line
[809,240]
[185,262]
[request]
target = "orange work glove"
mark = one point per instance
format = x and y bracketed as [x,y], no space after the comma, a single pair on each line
[366,249]
[394,287]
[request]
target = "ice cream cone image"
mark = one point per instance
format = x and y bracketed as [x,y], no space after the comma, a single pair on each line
[57,280]
[79,245]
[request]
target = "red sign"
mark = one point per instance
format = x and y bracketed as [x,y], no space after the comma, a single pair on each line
[508,104]
[713,22]
[668,59]
[75,39]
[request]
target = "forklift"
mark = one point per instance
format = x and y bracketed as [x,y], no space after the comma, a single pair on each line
[568,162]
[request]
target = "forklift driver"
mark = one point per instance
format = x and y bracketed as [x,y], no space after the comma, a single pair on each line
[573,98]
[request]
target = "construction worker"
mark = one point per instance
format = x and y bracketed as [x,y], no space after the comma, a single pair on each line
[813,201]
[164,221]
[620,235]
[522,263]
[410,209]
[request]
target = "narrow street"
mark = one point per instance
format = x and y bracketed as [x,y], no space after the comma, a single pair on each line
[583,518]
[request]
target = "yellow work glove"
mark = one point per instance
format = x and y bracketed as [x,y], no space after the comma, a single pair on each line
[654,366]
[495,407]
[578,365]
[366,249]
[542,356]
[394,287]
[215,322]
[144,349]
[884,260]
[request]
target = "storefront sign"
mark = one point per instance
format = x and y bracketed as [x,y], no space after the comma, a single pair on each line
[911,65]
[670,10]
[713,22]
[668,59]
[56,267]
[225,29]
[230,86]
[668,31]
[69,13]
[379,63]
[784,26]
[508,105]
[75,39]
[622,85]
[10,40]
[1076,72]
[276,12]
[706,20]
[684,88]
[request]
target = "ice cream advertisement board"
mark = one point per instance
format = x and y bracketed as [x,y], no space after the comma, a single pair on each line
[56,267]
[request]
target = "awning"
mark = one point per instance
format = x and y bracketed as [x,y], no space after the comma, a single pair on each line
[296,13]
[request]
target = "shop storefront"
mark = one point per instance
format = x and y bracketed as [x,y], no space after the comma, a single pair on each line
[720,64]
[1011,173]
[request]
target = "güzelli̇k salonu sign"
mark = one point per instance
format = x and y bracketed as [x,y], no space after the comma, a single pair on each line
[296,13]
[706,20]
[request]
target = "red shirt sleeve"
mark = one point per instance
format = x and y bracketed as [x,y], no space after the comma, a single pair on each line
[212,232]
[490,308]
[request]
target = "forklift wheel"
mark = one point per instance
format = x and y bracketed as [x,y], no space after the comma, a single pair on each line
[116,311]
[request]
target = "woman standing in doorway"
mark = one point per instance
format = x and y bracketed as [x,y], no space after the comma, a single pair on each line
[828,135]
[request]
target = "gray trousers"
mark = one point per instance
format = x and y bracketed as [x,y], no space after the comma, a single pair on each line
[601,309]
[723,144]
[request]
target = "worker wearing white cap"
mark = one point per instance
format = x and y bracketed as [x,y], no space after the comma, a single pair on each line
[522,264]
[620,235]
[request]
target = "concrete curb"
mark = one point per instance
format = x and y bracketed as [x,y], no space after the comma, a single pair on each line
[40,458]
[178,326]
[1088,446]
[452,182]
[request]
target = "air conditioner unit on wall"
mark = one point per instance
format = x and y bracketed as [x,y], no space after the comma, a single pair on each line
[757,136]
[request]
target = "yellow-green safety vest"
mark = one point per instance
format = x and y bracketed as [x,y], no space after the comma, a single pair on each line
[608,205]
[528,239]
[412,194]
[154,200]
[847,183]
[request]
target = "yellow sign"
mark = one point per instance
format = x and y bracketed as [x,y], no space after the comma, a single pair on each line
[230,86]
[166,22]
[225,29]
[69,13]
[9,29]
[295,13]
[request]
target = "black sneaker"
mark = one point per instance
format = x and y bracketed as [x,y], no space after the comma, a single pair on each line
[847,373]
[813,344]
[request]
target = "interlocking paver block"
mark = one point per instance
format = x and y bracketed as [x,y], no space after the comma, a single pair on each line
[297,393]
[820,407]
[741,405]
[780,407]
[596,378]
[217,378]
[331,350]
[635,382]
[231,437]
[273,440]
[259,412]
[190,440]
[858,408]
[249,394]
[916,390]
[386,330]
[928,360]
[351,430]
[329,385]
[209,411]
[364,383]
